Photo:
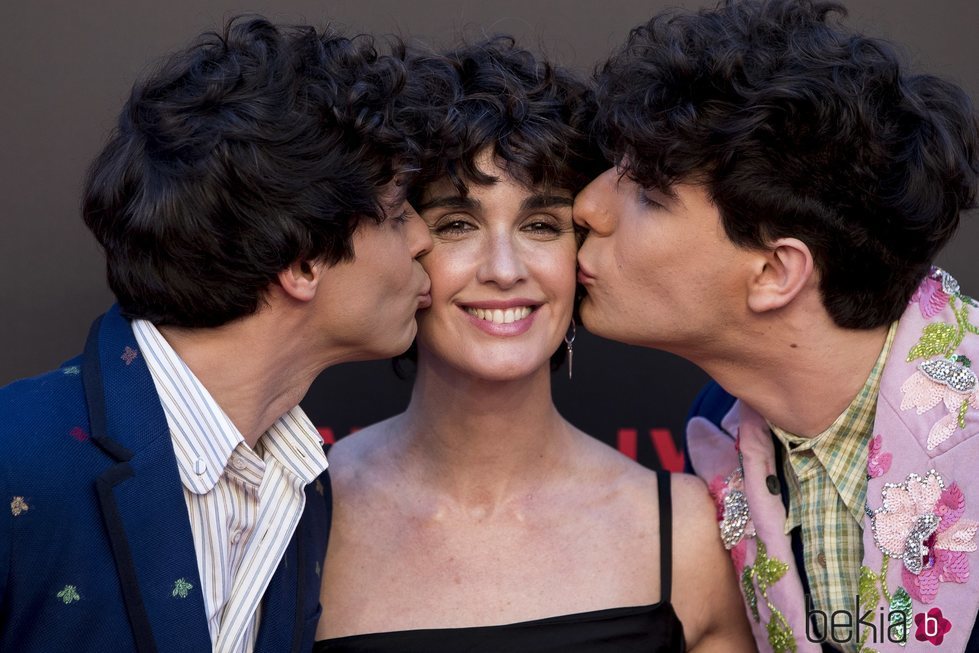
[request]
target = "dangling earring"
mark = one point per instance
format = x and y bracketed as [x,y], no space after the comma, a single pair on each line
[569,341]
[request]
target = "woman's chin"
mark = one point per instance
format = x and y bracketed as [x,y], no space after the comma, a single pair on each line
[506,370]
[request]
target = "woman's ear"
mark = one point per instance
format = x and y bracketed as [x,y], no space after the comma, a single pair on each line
[782,272]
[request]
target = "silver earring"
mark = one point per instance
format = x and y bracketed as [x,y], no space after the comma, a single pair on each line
[569,341]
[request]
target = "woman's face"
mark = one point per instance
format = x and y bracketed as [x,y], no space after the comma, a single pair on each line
[502,267]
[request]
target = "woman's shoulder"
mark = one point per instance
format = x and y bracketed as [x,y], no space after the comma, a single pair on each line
[691,504]
[357,461]
[608,467]
[694,517]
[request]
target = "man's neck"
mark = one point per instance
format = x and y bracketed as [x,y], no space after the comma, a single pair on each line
[248,371]
[802,374]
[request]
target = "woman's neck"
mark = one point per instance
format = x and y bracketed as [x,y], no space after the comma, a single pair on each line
[483,443]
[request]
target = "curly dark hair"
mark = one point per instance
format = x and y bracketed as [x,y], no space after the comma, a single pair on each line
[798,127]
[242,154]
[535,116]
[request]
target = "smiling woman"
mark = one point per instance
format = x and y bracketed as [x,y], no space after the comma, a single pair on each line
[480,519]
[505,265]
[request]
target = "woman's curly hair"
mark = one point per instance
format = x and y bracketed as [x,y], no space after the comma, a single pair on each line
[535,117]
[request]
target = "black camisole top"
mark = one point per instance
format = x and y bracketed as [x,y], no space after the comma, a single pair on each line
[642,629]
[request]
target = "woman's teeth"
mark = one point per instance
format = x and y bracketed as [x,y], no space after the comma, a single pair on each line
[500,316]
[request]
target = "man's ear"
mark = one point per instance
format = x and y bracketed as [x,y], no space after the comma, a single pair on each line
[781,273]
[301,279]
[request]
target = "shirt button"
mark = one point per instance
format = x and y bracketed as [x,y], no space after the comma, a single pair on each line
[238,463]
[821,559]
[200,466]
[771,482]
[236,536]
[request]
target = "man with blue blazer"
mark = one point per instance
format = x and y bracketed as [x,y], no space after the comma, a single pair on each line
[163,491]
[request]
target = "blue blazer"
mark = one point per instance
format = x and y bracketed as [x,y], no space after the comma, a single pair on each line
[96,551]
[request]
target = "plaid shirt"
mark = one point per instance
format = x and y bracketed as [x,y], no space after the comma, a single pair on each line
[827,482]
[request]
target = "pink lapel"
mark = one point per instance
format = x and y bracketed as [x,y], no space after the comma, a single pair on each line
[923,492]
[752,523]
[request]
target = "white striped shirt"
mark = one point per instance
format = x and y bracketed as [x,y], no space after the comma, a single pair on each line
[243,504]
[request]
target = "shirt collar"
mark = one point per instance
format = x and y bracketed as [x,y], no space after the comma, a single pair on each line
[842,449]
[204,437]
[297,445]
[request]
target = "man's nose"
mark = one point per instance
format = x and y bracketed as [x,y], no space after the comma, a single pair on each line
[592,206]
[419,237]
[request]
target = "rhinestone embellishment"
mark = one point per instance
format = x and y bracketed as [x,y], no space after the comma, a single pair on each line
[949,285]
[736,516]
[915,549]
[955,376]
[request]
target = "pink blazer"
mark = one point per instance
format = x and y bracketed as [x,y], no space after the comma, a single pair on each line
[922,515]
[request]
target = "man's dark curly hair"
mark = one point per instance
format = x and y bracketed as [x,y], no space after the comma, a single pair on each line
[534,116]
[249,151]
[798,127]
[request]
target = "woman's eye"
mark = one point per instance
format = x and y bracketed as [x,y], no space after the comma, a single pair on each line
[452,227]
[548,225]
[542,227]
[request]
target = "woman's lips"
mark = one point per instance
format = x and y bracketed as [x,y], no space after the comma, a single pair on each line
[501,318]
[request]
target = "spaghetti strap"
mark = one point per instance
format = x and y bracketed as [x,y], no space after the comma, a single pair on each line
[665,535]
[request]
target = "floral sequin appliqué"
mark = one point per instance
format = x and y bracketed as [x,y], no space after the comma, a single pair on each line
[943,377]
[873,585]
[878,461]
[736,526]
[921,524]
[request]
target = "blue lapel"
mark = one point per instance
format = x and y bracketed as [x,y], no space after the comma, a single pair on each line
[290,607]
[281,616]
[141,495]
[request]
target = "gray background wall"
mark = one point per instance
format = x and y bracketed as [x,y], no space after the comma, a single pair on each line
[66,68]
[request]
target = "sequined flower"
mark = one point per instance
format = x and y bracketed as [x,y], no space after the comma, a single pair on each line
[931,298]
[733,514]
[920,523]
[942,381]
[878,462]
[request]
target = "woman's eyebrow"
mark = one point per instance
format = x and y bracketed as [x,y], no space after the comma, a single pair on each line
[449,202]
[535,202]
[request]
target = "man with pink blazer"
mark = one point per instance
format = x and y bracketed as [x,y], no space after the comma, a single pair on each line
[782,186]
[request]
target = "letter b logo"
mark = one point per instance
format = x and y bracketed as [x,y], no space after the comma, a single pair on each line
[931,627]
